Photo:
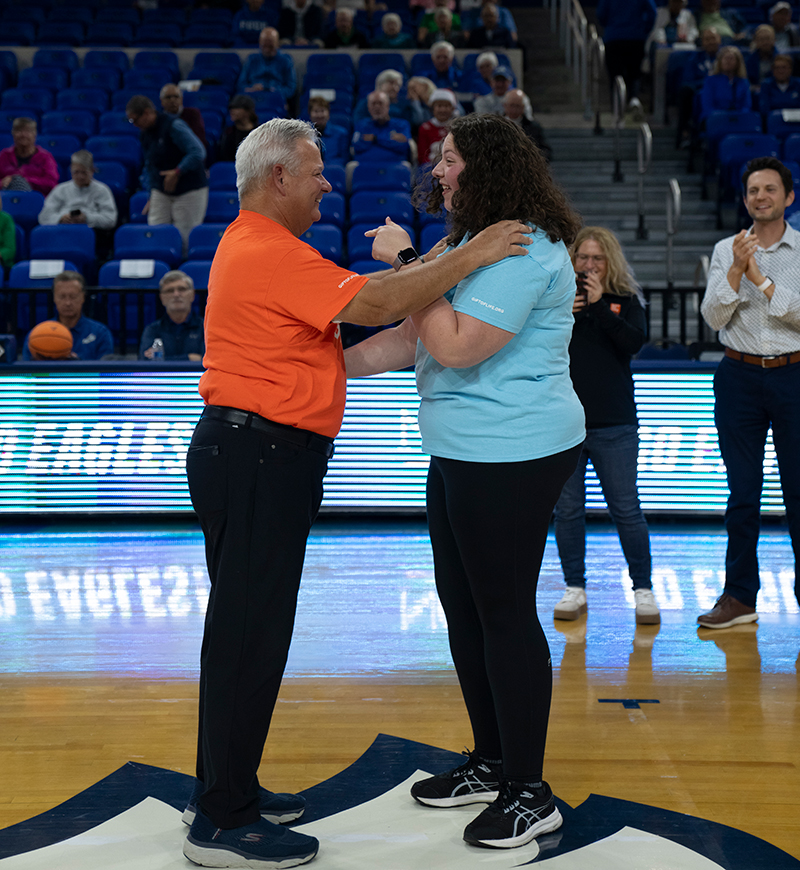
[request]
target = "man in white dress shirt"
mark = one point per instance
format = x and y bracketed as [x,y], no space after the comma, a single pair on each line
[82,200]
[753,300]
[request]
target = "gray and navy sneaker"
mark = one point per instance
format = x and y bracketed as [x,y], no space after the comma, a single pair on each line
[518,815]
[472,782]
[261,844]
[278,807]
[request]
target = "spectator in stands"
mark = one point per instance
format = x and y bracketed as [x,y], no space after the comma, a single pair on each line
[728,23]
[91,340]
[786,34]
[369,18]
[762,54]
[84,200]
[695,73]
[171,97]
[472,16]
[269,69]
[390,82]
[24,165]
[479,81]
[491,32]
[627,26]
[726,89]
[179,328]
[444,107]
[418,93]
[426,24]
[674,24]
[301,23]
[174,170]
[392,34]
[8,238]
[443,71]
[443,29]
[344,33]
[381,137]
[335,139]
[514,106]
[242,111]
[251,20]
[492,103]
[781,90]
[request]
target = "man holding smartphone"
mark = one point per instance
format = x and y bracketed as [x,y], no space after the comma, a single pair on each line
[83,200]
[752,299]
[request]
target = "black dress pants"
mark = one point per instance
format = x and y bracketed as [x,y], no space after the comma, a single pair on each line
[256,498]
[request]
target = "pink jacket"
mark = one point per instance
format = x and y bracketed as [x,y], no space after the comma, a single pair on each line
[41,170]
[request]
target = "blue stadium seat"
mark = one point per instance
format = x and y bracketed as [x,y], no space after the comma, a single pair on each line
[217,76]
[779,128]
[54,78]
[75,242]
[321,64]
[90,99]
[120,149]
[24,206]
[19,32]
[19,276]
[106,57]
[73,12]
[60,33]
[359,246]
[21,99]
[734,150]
[368,206]
[61,145]
[222,17]
[791,147]
[75,122]
[206,35]
[222,175]
[203,241]
[198,271]
[430,234]
[158,34]
[381,176]
[336,176]
[223,207]
[160,242]
[63,57]
[109,276]
[342,102]
[369,65]
[24,12]
[146,59]
[119,15]
[135,205]
[332,209]
[325,238]
[214,124]
[22,244]
[140,308]
[150,78]
[106,77]
[108,33]
[216,59]
[119,99]
[8,63]
[116,123]
[208,98]
[164,15]
[115,175]
[365,267]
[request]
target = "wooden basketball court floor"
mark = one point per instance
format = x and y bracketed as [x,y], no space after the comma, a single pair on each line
[100,629]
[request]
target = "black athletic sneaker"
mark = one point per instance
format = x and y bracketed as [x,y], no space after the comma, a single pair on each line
[472,782]
[517,816]
[277,807]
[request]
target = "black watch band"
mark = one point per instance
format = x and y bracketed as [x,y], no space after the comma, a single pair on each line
[406,256]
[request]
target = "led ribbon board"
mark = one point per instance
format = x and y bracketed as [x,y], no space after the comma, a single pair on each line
[113,439]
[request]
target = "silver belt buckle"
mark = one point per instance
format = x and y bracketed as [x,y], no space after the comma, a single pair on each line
[763,358]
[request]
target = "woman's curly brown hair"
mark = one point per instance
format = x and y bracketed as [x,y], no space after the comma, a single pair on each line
[505,177]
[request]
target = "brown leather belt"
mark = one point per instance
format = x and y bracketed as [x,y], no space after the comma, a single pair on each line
[765,362]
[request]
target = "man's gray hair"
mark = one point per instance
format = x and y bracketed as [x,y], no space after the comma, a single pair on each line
[23,123]
[267,146]
[69,275]
[391,16]
[487,57]
[175,275]
[165,88]
[443,43]
[388,75]
[83,158]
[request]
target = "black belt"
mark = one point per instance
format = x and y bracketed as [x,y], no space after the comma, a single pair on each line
[248,420]
[765,362]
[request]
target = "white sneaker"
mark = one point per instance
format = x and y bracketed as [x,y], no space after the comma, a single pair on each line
[572,605]
[647,612]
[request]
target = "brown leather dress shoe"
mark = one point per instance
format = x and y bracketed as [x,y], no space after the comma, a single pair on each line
[727,611]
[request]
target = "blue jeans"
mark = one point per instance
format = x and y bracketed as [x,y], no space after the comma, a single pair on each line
[749,400]
[614,452]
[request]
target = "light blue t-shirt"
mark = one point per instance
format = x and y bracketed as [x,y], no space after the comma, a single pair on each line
[519,403]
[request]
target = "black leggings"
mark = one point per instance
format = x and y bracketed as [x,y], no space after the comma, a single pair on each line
[488,525]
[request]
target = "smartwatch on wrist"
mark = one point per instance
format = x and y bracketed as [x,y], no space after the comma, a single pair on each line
[406,256]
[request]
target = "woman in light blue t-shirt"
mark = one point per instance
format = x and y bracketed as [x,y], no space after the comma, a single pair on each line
[504,427]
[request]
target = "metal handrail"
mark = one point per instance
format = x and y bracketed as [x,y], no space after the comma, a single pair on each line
[597,62]
[701,270]
[644,151]
[620,101]
[673,223]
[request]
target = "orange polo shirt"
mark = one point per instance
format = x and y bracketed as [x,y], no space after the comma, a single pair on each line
[270,345]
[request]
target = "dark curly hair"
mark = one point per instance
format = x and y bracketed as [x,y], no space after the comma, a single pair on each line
[505,177]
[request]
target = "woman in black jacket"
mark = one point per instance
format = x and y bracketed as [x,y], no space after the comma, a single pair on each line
[609,328]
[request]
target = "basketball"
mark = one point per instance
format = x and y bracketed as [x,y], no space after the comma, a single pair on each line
[50,340]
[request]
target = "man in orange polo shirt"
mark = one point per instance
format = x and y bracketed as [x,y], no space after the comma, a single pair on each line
[274,388]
